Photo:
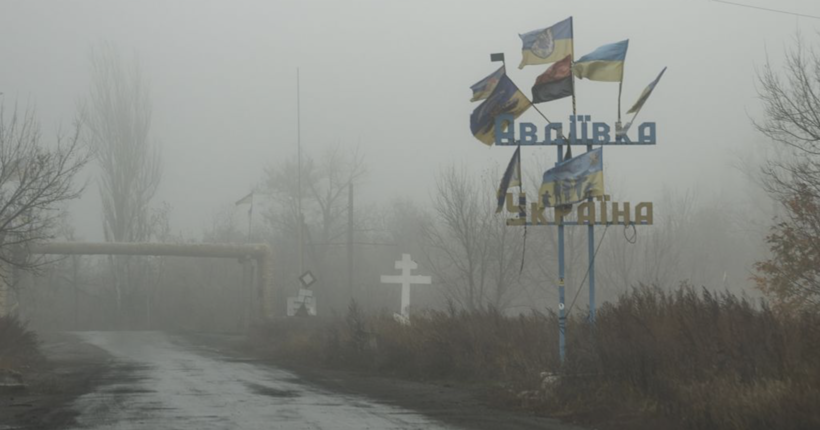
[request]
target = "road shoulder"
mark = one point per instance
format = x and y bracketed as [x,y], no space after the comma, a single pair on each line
[72,368]
[464,407]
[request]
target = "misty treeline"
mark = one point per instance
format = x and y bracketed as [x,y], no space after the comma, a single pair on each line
[111,130]
[713,237]
[475,261]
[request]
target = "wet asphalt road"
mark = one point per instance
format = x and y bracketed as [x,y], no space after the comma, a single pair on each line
[163,382]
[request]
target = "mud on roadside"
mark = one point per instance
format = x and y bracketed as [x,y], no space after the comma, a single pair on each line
[72,368]
[463,406]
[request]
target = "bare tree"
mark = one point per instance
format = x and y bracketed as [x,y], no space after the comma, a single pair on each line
[325,183]
[471,251]
[117,114]
[35,181]
[791,99]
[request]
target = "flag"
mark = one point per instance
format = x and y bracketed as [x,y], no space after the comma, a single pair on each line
[645,94]
[546,45]
[639,104]
[603,64]
[483,88]
[247,200]
[506,98]
[574,180]
[555,83]
[511,178]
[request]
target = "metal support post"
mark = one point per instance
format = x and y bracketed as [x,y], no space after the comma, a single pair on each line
[562,323]
[591,245]
[591,251]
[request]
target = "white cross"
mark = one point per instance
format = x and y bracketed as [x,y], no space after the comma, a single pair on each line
[405,279]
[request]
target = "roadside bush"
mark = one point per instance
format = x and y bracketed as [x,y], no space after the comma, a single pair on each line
[687,359]
[18,344]
[705,360]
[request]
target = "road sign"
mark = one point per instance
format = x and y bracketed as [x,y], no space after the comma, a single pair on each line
[307,279]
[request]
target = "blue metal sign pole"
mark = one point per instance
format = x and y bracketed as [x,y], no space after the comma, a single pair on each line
[591,226]
[562,323]
[591,253]
[591,246]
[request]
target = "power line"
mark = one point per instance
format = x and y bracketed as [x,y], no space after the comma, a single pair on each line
[767,9]
[589,267]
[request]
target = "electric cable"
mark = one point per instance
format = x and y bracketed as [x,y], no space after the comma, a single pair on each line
[589,267]
[767,9]
[633,239]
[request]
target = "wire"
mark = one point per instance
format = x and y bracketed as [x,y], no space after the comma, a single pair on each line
[523,252]
[589,267]
[767,9]
[633,239]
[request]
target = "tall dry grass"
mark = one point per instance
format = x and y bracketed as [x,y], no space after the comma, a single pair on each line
[19,346]
[688,359]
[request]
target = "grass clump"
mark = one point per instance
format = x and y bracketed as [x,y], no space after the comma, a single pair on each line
[686,359]
[19,347]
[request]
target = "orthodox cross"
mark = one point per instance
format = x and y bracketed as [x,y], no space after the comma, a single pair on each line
[406,280]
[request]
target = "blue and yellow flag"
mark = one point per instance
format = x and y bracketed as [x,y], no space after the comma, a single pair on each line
[506,98]
[636,108]
[603,64]
[574,180]
[483,88]
[646,93]
[547,45]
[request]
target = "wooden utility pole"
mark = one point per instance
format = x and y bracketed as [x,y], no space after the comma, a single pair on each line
[350,240]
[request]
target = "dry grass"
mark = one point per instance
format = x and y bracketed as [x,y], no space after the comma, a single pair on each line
[19,348]
[687,359]
[705,361]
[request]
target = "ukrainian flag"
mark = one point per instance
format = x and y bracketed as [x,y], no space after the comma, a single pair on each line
[547,45]
[646,93]
[603,64]
[506,98]
[574,180]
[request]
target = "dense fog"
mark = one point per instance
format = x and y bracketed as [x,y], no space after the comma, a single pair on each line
[383,104]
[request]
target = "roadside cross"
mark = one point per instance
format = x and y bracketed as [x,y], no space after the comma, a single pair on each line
[406,279]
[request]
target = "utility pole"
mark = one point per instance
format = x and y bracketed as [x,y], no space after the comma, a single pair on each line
[299,173]
[350,240]
[74,281]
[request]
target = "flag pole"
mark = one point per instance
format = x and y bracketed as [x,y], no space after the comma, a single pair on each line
[522,203]
[562,319]
[621,83]
[635,116]
[572,76]
[537,110]
[500,57]
[591,239]
[591,226]
[572,62]
[299,172]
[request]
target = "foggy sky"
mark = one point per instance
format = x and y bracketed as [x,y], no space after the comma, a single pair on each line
[392,77]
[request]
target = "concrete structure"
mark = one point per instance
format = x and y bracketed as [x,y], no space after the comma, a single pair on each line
[259,252]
